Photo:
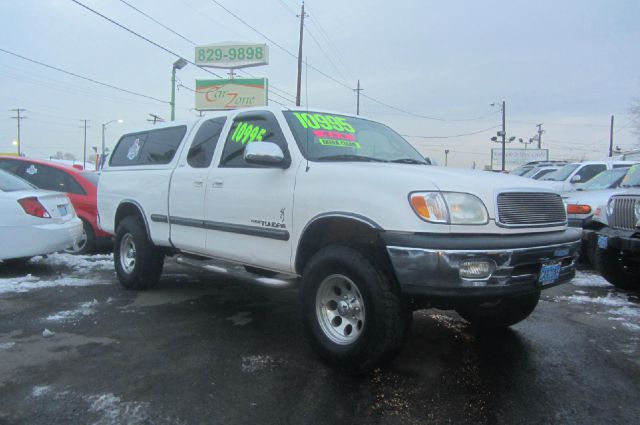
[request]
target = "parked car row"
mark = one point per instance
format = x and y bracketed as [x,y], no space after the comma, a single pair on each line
[32,221]
[610,222]
[79,185]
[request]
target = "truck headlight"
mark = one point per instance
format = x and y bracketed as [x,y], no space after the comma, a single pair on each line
[449,207]
[636,210]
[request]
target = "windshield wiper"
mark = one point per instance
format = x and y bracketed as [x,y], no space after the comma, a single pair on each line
[348,157]
[408,161]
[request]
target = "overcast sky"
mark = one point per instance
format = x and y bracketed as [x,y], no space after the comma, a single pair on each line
[569,64]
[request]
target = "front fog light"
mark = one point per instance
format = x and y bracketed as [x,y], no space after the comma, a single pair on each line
[476,269]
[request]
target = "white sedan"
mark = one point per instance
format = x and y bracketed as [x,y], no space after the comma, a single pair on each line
[32,221]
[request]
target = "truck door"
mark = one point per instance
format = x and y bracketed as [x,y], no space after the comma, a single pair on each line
[187,192]
[248,208]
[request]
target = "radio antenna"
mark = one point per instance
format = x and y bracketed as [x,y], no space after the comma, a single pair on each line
[306,95]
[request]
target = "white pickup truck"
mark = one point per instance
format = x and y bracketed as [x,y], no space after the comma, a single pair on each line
[345,207]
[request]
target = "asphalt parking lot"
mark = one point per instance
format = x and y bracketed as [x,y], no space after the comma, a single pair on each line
[75,348]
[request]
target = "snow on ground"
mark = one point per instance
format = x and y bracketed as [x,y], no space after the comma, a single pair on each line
[40,390]
[589,279]
[81,263]
[241,319]
[84,309]
[115,411]
[78,262]
[6,345]
[252,364]
[616,305]
[610,300]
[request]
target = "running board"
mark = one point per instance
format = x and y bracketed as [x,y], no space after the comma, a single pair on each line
[237,271]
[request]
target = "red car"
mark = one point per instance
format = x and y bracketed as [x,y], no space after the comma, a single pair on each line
[80,185]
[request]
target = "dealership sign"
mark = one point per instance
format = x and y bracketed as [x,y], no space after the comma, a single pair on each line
[232,55]
[231,94]
[516,157]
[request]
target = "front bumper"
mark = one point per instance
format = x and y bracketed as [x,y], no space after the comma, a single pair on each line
[427,265]
[624,240]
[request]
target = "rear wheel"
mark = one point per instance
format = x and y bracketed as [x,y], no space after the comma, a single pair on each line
[501,313]
[352,311]
[86,243]
[138,262]
[619,268]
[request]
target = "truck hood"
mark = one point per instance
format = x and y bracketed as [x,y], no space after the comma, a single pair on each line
[594,198]
[407,178]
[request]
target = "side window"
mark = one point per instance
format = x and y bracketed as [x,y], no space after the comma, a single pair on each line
[614,165]
[149,148]
[74,187]
[127,150]
[251,127]
[589,171]
[10,165]
[161,145]
[204,144]
[47,178]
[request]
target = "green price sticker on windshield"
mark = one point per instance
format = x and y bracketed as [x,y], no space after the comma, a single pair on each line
[325,122]
[248,133]
[339,143]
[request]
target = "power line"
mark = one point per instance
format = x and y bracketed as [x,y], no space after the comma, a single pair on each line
[81,76]
[336,80]
[271,86]
[451,136]
[143,37]
[158,22]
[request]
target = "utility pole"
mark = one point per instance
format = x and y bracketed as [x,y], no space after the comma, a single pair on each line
[540,131]
[155,118]
[504,137]
[301,16]
[19,117]
[358,90]
[610,138]
[84,145]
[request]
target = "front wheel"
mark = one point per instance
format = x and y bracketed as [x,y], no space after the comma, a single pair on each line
[352,311]
[501,313]
[138,262]
[618,268]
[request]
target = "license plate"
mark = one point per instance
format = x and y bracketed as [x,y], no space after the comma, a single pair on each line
[63,210]
[549,273]
[603,241]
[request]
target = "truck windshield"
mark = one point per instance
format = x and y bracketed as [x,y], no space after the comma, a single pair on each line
[605,180]
[331,137]
[632,178]
[562,174]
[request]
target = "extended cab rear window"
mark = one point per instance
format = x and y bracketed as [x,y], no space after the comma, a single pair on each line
[148,148]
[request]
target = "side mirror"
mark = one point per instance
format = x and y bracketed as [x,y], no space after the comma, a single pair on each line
[264,153]
[576,179]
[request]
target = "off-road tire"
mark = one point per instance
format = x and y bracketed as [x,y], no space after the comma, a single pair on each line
[148,260]
[612,267]
[501,313]
[386,318]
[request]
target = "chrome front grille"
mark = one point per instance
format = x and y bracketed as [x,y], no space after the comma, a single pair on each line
[535,209]
[623,215]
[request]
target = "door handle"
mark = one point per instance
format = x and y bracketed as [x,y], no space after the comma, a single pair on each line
[218,183]
[198,183]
